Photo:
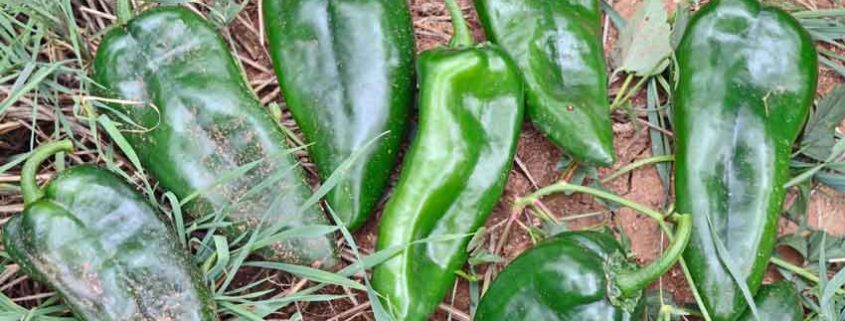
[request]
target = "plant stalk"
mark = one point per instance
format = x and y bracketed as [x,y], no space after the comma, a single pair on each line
[29,186]
[461,36]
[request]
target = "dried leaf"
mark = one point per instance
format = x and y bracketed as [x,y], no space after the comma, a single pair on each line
[819,134]
[644,43]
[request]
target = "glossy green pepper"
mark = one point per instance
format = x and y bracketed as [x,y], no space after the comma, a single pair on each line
[747,77]
[90,236]
[776,302]
[471,109]
[203,124]
[345,67]
[582,275]
[557,45]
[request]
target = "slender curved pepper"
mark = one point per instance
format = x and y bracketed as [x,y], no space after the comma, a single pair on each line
[345,68]
[776,302]
[581,275]
[747,76]
[91,237]
[557,45]
[471,109]
[204,124]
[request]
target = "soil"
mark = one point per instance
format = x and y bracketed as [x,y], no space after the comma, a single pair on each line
[536,165]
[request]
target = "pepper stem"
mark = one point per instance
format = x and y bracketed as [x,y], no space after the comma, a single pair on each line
[631,282]
[461,36]
[124,11]
[29,187]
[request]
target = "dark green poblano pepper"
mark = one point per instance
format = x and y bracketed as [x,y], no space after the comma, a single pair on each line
[206,137]
[471,109]
[90,236]
[558,47]
[581,275]
[776,302]
[746,81]
[346,71]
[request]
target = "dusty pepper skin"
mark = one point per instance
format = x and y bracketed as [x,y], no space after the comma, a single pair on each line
[471,109]
[346,70]
[747,77]
[91,237]
[557,45]
[203,122]
[581,275]
[778,301]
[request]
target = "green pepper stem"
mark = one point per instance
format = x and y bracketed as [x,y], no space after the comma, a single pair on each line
[657,216]
[124,11]
[568,187]
[29,186]
[631,282]
[461,36]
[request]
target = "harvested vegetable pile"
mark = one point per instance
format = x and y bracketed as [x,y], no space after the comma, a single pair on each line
[187,160]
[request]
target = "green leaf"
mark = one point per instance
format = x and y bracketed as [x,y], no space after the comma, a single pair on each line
[551,228]
[827,306]
[682,17]
[803,177]
[13,161]
[614,16]
[644,43]
[794,241]
[307,231]
[660,145]
[127,150]
[786,5]
[20,88]
[833,180]
[799,209]
[310,273]
[485,257]
[820,241]
[820,132]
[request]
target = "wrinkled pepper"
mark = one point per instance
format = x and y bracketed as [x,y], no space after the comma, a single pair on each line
[558,47]
[471,109]
[747,77]
[346,70]
[581,275]
[776,302]
[205,132]
[90,236]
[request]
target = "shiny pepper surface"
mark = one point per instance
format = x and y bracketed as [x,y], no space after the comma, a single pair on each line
[90,236]
[581,275]
[205,132]
[471,109]
[776,302]
[346,71]
[746,80]
[557,45]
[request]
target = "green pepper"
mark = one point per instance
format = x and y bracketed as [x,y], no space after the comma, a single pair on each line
[346,71]
[558,47]
[746,80]
[582,275]
[778,301]
[205,136]
[99,244]
[471,109]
